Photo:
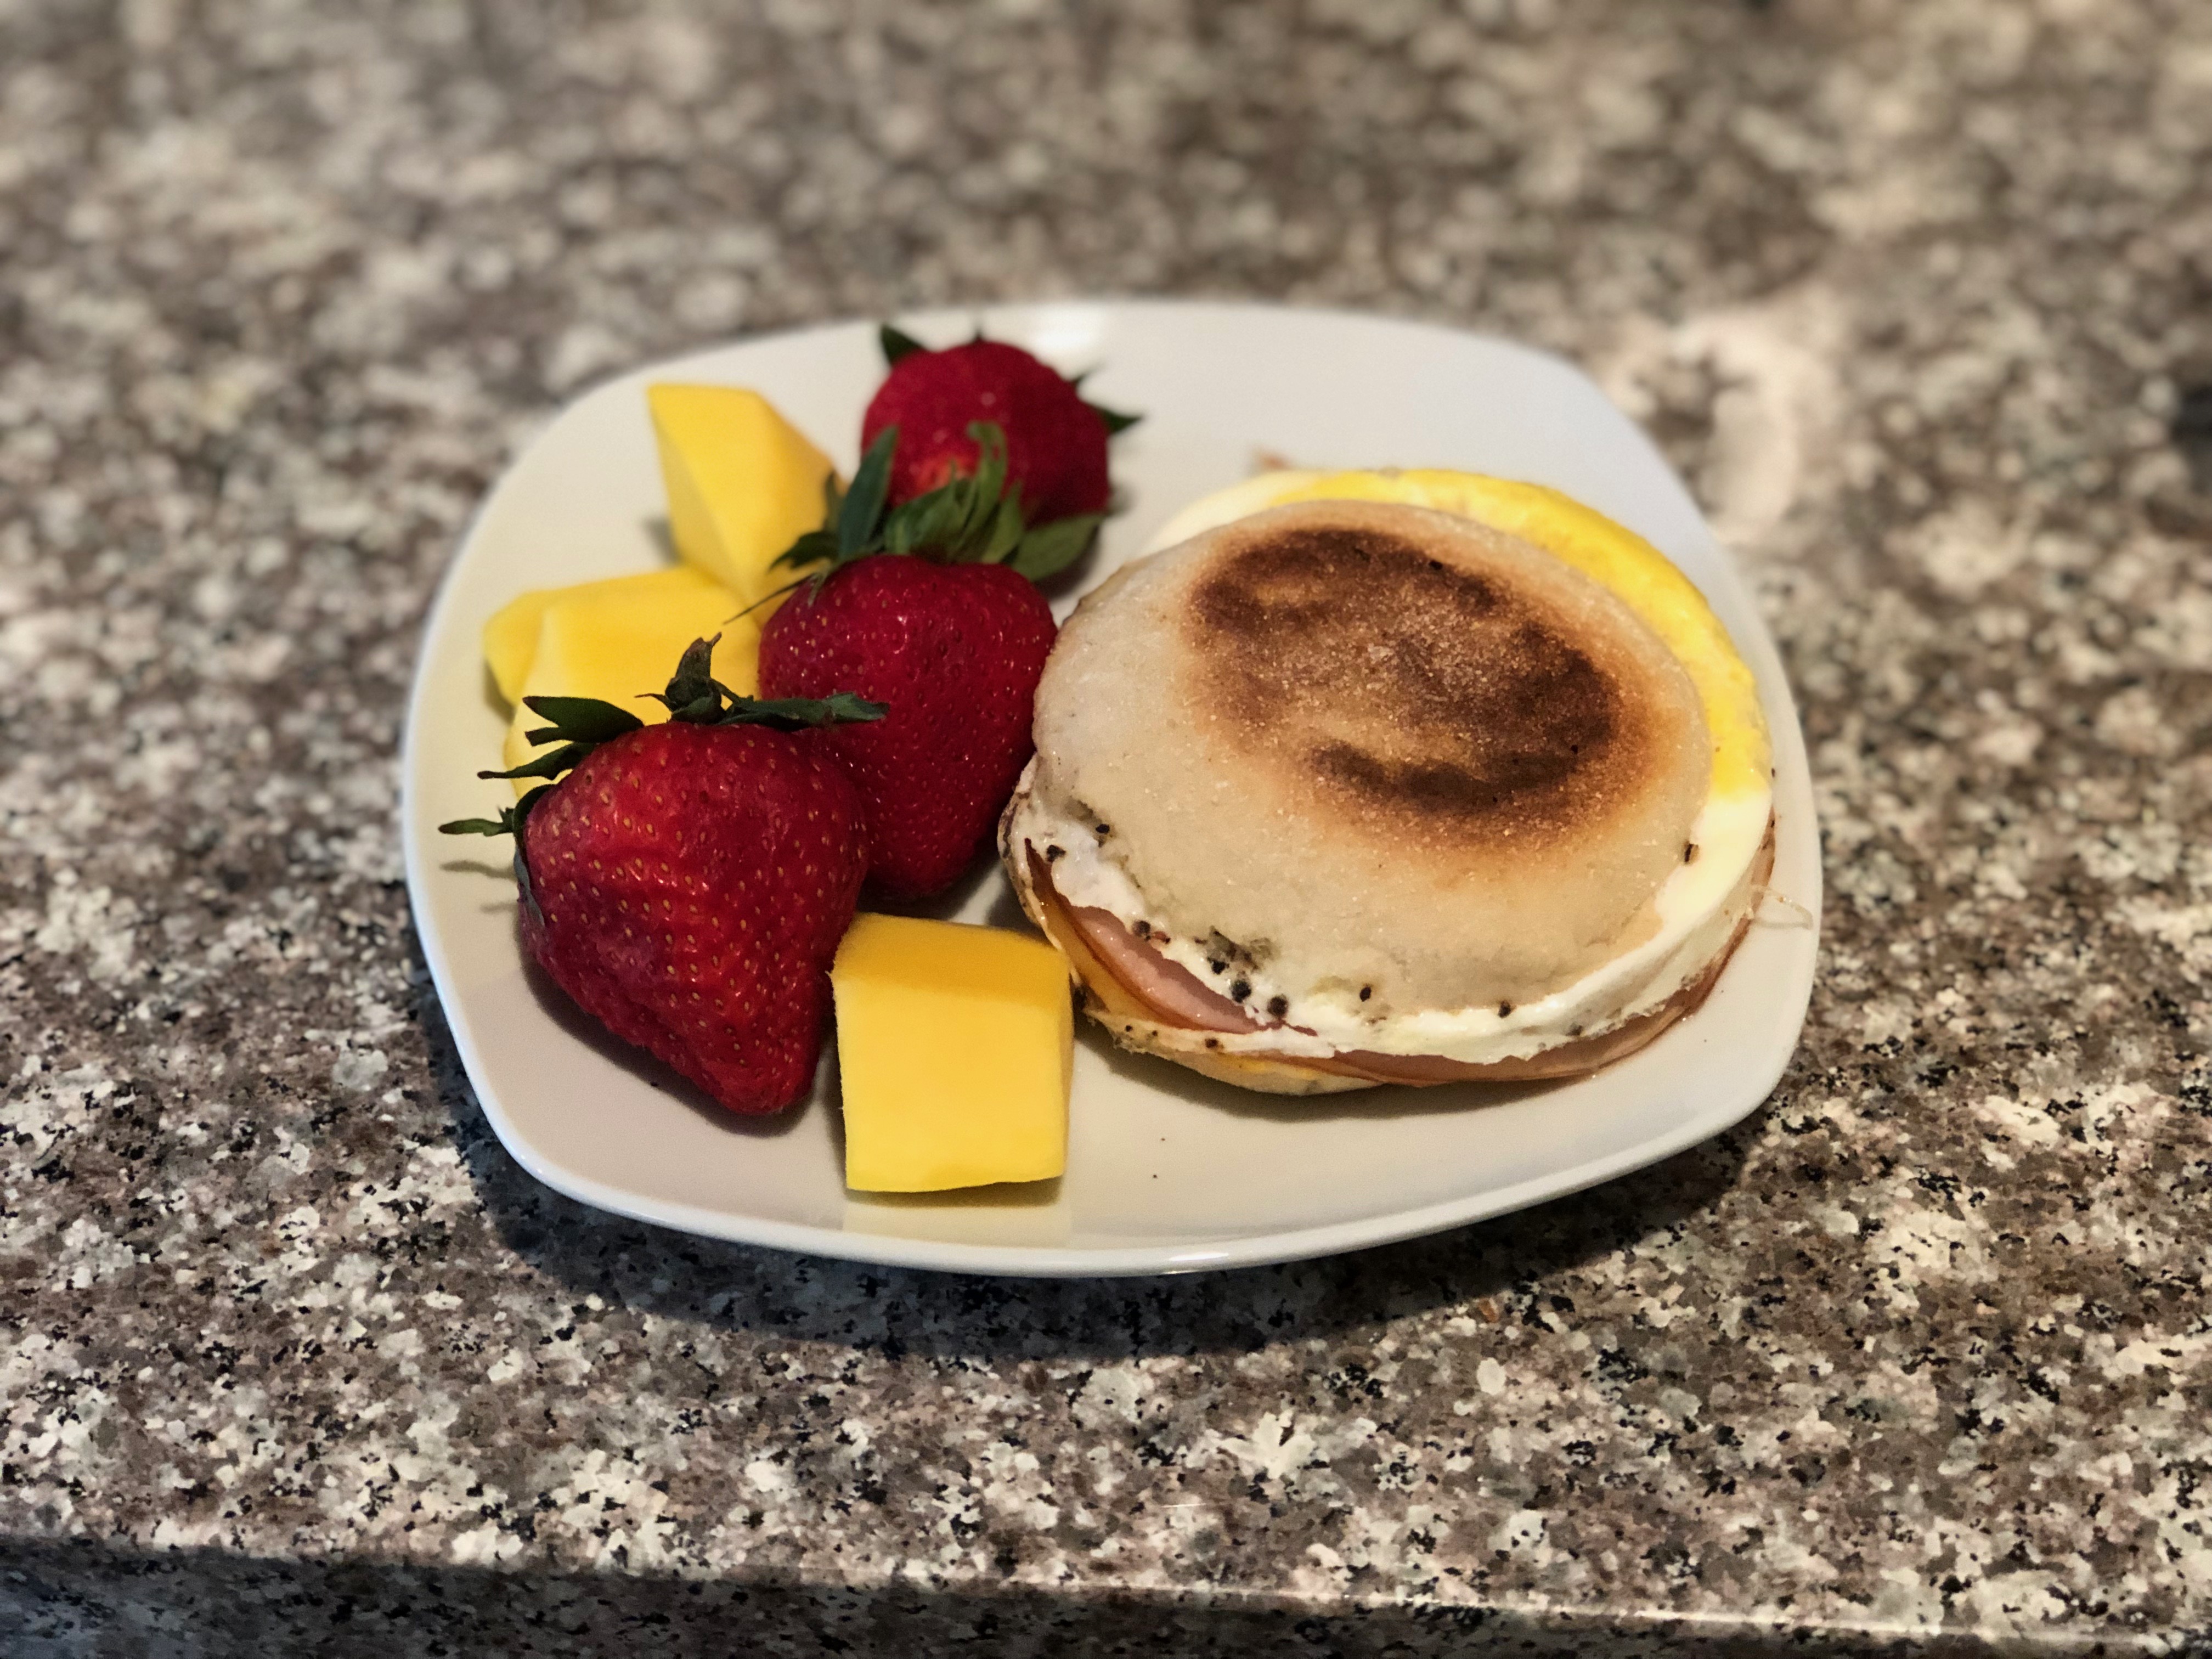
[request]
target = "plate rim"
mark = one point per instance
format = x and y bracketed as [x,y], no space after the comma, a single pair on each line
[1064,1260]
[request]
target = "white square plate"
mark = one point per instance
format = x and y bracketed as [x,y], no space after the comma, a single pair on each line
[1166,1172]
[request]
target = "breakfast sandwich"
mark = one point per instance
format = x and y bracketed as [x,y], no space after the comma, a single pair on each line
[1413,777]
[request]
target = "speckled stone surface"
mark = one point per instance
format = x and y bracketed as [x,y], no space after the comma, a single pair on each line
[1919,294]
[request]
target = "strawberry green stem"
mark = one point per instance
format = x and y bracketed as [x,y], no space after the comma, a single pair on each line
[975,519]
[579,724]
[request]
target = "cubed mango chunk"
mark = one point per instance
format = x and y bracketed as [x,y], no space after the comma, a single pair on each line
[617,640]
[954,1045]
[510,638]
[743,484]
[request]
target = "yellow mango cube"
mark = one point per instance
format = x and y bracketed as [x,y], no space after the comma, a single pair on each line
[617,640]
[954,1046]
[510,638]
[743,484]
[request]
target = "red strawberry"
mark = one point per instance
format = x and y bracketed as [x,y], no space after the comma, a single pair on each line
[1056,442]
[954,651]
[688,883]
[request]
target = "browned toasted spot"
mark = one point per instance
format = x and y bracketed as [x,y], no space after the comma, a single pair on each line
[1444,788]
[1412,686]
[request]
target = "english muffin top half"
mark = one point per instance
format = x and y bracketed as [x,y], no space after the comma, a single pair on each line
[1377,745]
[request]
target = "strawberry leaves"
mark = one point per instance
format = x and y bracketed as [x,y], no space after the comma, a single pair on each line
[1049,549]
[578,720]
[975,519]
[695,696]
[896,343]
[508,821]
[849,517]
[1113,420]
[579,724]
[863,505]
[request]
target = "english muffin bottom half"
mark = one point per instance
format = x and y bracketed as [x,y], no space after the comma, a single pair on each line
[1354,791]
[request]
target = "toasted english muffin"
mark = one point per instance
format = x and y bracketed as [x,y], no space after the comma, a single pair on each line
[1331,794]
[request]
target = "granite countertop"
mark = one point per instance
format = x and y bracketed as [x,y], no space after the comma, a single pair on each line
[1918,295]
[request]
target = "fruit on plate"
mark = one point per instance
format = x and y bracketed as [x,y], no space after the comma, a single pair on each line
[954,1045]
[687,883]
[953,651]
[950,639]
[510,638]
[743,483]
[1394,778]
[1055,441]
[604,640]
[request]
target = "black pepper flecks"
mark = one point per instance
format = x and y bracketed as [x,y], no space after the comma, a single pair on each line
[1239,989]
[1278,1006]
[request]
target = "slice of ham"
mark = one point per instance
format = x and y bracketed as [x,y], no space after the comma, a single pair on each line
[1126,971]
[1169,990]
[1171,995]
